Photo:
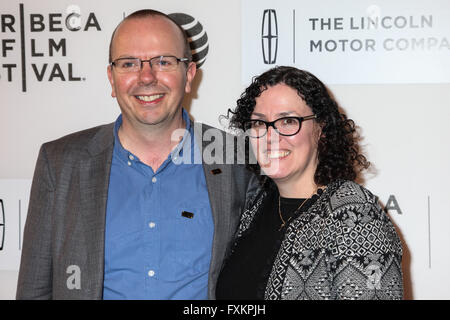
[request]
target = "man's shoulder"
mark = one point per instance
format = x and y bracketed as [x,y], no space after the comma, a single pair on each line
[208,134]
[99,136]
[206,127]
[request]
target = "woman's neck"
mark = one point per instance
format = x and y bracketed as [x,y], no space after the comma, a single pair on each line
[298,189]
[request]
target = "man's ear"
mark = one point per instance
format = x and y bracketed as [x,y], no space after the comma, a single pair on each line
[190,75]
[111,81]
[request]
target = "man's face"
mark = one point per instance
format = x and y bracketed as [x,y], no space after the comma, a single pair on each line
[149,97]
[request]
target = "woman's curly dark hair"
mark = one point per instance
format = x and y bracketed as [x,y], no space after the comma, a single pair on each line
[339,155]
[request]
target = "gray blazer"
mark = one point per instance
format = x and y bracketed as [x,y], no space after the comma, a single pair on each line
[65,226]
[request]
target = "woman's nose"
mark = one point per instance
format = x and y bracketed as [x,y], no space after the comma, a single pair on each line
[272,135]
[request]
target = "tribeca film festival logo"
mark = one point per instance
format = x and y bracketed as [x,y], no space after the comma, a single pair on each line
[25,26]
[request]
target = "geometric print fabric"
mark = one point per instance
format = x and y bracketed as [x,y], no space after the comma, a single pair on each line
[343,247]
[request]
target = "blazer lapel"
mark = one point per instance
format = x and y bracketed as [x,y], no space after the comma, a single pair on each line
[219,183]
[94,183]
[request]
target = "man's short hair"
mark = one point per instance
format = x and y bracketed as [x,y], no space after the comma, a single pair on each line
[147,13]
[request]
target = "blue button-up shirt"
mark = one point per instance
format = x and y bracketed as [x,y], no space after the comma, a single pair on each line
[154,247]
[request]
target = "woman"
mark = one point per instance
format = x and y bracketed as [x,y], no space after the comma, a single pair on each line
[309,231]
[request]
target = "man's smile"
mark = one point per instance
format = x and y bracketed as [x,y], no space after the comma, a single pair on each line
[150,98]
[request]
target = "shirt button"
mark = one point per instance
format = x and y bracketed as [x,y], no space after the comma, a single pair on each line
[154,179]
[152,225]
[151,273]
[131,157]
[129,163]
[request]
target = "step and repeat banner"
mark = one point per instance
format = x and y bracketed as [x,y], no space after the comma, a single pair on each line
[385,61]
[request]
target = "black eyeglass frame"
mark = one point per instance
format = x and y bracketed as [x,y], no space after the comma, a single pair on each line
[272,124]
[186,60]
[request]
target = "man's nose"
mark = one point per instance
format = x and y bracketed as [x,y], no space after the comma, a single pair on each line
[146,74]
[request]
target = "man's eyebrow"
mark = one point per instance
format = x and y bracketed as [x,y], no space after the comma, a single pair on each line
[125,57]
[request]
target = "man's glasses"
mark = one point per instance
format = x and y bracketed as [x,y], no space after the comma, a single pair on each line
[286,126]
[161,63]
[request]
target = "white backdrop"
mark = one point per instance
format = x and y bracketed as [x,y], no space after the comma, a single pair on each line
[404,125]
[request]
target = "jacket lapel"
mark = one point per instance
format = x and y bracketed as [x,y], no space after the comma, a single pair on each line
[94,183]
[219,181]
[218,184]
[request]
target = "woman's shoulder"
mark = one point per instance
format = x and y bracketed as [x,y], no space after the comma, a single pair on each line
[358,219]
[349,191]
[343,198]
[345,192]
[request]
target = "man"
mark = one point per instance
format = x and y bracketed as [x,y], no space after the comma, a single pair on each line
[112,212]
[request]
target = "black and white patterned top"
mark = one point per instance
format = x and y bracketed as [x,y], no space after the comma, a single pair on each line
[343,247]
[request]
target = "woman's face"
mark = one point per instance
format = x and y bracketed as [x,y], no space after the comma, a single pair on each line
[286,159]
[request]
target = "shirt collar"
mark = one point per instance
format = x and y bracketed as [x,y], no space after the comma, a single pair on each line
[126,155]
[187,133]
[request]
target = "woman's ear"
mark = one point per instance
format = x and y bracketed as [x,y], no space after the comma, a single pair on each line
[317,131]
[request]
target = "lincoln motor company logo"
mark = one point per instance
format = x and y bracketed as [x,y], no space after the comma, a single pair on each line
[2,225]
[269,36]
